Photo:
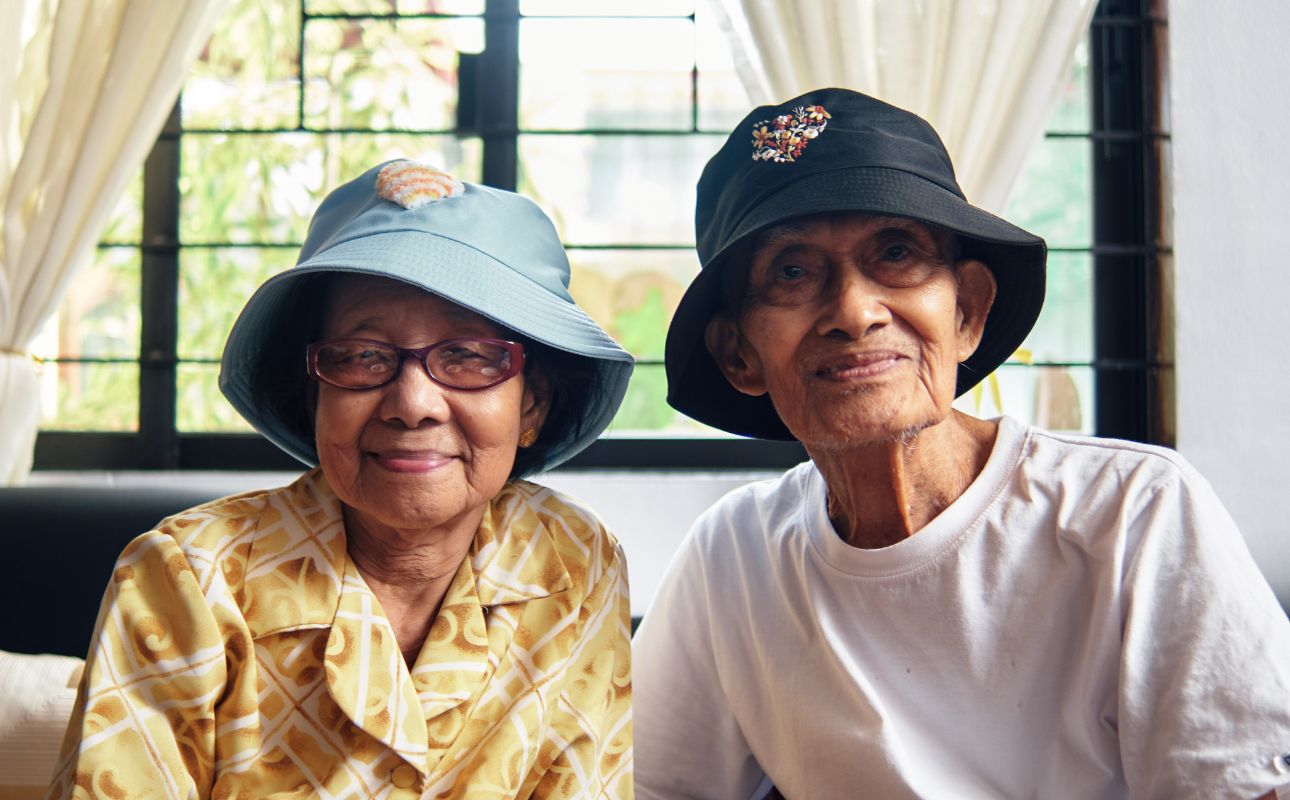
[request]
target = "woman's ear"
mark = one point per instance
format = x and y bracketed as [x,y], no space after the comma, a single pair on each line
[976,290]
[536,401]
[737,361]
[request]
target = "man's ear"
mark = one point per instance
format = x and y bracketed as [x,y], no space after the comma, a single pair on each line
[976,292]
[737,361]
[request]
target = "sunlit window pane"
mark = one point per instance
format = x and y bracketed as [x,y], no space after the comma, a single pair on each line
[606,74]
[1056,398]
[1064,332]
[632,293]
[616,189]
[722,98]
[199,405]
[99,315]
[607,8]
[262,189]
[247,77]
[88,396]
[214,284]
[645,411]
[381,74]
[1053,198]
[394,6]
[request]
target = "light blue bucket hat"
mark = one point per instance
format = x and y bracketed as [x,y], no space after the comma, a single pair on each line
[491,251]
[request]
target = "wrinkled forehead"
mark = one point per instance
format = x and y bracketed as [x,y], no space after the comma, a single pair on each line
[357,300]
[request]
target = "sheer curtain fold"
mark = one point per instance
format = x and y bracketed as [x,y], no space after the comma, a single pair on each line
[82,99]
[985,73]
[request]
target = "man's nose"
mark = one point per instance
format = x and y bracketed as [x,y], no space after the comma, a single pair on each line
[853,305]
[413,398]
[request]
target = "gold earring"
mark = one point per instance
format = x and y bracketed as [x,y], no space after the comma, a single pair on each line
[528,438]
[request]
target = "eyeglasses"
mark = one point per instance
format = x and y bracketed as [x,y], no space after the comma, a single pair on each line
[468,363]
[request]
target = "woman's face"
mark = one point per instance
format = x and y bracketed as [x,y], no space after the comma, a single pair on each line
[414,454]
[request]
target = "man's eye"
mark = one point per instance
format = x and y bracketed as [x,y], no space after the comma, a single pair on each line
[895,252]
[790,272]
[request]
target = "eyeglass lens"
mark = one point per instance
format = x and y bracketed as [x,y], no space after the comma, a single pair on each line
[460,363]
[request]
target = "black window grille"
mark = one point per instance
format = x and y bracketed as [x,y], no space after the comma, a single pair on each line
[1124,139]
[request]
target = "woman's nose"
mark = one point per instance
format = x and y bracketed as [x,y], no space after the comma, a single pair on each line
[413,398]
[853,305]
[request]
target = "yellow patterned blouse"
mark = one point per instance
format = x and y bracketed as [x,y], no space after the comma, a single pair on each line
[239,654]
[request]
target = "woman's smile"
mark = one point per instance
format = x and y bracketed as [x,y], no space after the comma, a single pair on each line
[413,461]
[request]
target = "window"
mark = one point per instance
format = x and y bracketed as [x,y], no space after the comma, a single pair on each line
[605,112]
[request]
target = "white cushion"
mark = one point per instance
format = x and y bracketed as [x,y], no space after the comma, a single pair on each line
[37,694]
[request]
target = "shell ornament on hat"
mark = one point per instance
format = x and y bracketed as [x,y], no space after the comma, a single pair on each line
[413,185]
[491,251]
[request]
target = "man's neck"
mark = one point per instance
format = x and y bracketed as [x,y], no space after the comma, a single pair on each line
[882,492]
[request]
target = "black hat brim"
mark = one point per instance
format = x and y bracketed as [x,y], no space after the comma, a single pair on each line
[698,388]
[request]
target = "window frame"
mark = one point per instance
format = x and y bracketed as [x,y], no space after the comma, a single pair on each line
[1130,371]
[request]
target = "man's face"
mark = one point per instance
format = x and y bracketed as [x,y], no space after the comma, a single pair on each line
[854,325]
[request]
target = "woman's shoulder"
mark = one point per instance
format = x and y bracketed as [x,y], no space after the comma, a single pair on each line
[553,507]
[215,520]
[528,509]
[224,531]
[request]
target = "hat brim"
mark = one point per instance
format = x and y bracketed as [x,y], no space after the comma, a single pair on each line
[697,387]
[447,268]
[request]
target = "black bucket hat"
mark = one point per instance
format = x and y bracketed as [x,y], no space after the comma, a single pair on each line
[835,150]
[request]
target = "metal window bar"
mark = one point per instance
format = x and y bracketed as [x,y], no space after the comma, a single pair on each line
[1125,252]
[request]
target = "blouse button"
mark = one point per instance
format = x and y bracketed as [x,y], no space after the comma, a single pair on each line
[404,776]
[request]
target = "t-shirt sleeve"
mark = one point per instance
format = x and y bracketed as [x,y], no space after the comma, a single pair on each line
[1204,705]
[688,742]
[144,723]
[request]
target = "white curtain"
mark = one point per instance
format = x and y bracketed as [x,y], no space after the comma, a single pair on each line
[984,73]
[85,87]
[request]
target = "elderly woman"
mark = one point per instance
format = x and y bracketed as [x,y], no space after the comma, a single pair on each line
[409,619]
[934,605]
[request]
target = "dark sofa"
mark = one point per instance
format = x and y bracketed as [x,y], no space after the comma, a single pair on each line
[61,543]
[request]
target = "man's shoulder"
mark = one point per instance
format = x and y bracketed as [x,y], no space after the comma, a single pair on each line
[1076,459]
[772,494]
[759,509]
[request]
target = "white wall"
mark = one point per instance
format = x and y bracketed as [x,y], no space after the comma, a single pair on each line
[1230,80]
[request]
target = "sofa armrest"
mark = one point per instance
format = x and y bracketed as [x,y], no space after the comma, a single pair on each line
[61,543]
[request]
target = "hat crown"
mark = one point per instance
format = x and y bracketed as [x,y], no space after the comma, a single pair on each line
[862,131]
[504,226]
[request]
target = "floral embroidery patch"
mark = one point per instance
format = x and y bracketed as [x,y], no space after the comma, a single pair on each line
[783,138]
[413,185]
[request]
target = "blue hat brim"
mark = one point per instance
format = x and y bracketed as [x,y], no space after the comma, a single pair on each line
[454,271]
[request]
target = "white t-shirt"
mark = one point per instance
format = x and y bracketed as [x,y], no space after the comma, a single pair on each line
[1084,622]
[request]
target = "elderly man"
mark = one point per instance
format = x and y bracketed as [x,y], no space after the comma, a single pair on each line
[934,605]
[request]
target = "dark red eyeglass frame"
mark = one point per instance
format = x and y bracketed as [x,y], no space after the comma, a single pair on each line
[515,349]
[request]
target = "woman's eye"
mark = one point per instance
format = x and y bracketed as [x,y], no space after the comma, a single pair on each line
[462,354]
[790,272]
